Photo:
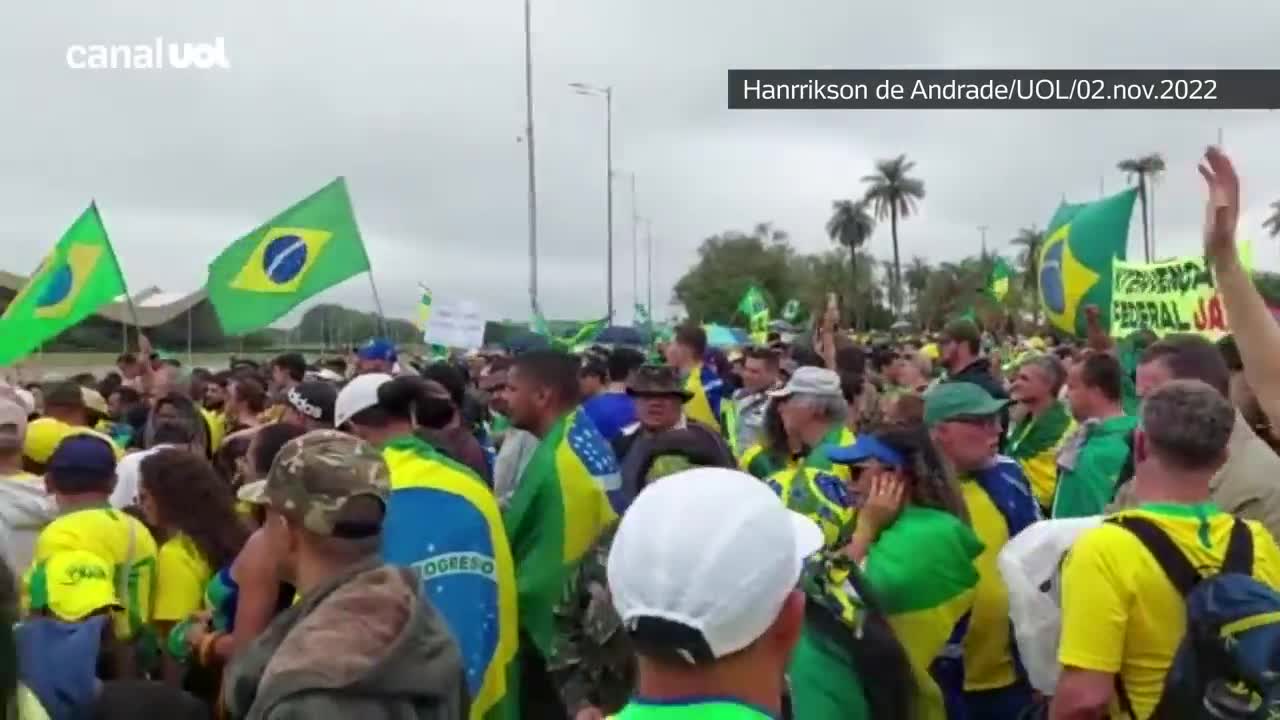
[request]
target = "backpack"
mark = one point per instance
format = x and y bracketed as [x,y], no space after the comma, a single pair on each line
[1225,666]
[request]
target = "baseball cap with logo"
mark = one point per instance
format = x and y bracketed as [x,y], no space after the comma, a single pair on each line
[810,380]
[315,477]
[73,584]
[703,561]
[314,400]
[953,400]
[359,394]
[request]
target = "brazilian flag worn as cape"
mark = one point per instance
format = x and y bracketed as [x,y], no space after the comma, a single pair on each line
[444,523]
[560,506]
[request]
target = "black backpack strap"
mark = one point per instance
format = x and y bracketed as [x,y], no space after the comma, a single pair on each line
[1239,557]
[1176,566]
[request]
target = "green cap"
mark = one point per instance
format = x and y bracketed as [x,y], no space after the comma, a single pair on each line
[950,400]
[314,476]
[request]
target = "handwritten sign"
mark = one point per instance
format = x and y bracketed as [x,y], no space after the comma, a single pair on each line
[455,324]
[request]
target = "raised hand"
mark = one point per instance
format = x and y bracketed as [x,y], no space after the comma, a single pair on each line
[1222,207]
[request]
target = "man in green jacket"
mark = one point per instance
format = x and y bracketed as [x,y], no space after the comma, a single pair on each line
[361,642]
[1091,460]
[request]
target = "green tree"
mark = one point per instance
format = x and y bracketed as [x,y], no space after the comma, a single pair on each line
[894,194]
[1272,223]
[1146,168]
[850,226]
[1030,240]
[728,264]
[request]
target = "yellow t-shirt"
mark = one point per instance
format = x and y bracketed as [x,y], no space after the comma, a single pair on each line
[988,659]
[1121,613]
[105,533]
[181,576]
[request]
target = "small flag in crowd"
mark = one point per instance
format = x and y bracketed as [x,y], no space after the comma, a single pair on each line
[303,251]
[424,308]
[79,276]
[791,311]
[754,306]
[998,282]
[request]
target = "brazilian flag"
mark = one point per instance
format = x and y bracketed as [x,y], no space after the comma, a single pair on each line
[299,253]
[1075,260]
[756,309]
[78,276]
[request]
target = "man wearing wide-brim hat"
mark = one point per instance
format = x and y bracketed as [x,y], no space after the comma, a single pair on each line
[659,397]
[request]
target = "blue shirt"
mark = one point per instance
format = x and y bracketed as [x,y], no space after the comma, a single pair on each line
[611,412]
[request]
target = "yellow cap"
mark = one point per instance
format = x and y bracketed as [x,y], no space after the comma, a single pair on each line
[43,436]
[74,584]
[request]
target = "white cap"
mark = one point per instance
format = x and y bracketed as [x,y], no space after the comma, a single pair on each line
[359,394]
[811,381]
[705,559]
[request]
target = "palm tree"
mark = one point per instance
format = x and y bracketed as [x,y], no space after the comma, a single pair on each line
[1030,240]
[850,226]
[1272,224]
[917,277]
[1147,168]
[893,193]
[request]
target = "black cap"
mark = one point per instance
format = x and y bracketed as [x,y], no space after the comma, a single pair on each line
[313,399]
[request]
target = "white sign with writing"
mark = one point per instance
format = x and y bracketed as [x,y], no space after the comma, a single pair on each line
[455,324]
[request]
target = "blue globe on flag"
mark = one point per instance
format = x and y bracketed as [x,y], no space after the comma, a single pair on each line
[283,258]
[61,281]
[1052,287]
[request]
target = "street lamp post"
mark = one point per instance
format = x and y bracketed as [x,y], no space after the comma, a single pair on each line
[607,93]
[528,137]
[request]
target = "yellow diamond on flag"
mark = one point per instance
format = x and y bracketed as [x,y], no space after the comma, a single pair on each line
[66,280]
[281,260]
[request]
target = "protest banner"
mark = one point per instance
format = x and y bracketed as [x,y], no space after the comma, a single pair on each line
[455,324]
[1171,296]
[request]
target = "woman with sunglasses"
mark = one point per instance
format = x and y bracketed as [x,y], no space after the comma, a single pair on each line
[911,539]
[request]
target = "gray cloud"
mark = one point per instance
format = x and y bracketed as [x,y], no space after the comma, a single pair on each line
[420,106]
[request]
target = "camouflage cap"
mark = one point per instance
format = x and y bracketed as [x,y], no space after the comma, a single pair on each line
[314,476]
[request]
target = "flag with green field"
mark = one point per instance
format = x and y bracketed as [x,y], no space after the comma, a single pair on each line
[80,275]
[755,308]
[559,508]
[998,281]
[308,248]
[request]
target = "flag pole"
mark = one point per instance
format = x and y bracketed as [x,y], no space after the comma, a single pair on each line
[377,302]
[133,311]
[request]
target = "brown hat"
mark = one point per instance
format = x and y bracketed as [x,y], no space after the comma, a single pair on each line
[656,380]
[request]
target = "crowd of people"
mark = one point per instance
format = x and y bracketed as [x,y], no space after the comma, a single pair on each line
[815,528]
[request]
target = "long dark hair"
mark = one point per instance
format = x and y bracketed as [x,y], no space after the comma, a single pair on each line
[877,657]
[932,485]
[193,500]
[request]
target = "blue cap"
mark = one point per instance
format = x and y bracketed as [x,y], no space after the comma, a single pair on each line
[83,453]
[868,447]
[378,349]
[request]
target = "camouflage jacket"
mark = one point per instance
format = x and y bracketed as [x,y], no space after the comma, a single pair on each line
[591,660]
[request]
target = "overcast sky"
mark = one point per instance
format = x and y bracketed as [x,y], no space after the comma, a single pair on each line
[420,104]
